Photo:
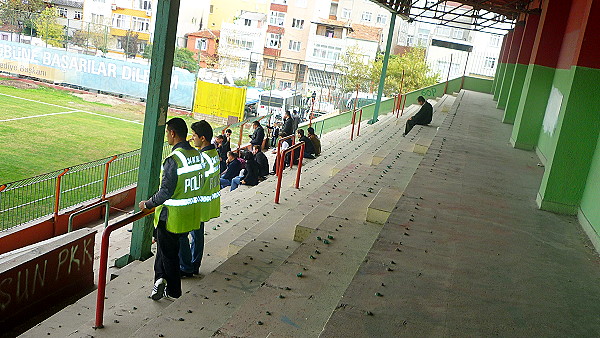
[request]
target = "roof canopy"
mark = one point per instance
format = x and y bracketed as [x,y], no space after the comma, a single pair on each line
[479,14]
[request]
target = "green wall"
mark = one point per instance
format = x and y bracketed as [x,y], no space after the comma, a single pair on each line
[498,80]
[478,84]
[571,147]
[590,201]
[547,140]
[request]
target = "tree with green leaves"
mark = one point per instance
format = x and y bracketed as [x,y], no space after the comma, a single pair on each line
[130,43]
[357,69]
[47,28]
[19,14]
[183,58]
[417,73]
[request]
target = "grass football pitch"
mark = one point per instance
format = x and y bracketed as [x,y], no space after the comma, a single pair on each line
[44,129]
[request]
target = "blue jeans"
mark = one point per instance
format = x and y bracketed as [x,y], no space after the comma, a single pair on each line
[190,257]
[225,182]
[235,182]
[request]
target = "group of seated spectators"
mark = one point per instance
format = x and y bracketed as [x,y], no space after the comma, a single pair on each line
[252,167]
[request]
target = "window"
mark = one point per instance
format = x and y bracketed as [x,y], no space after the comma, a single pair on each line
[97,18]
[329,32]
[287,67]
[240,42]
[62,12]
[423,37]
[294,45]
[211,9]
[495,40]
[489,62]
[284,85]
[346,12]
[443,31]
[458,34]
[333,9]
[279,2]
[274,40]
[327,52]
[201,44]
[410,40]
[277,18]
[77,15]
[366,16]
[140,24]
[298,23]
[144,4]
[247,22]
[141,46]
[271,63]
[381,19]
[120,21]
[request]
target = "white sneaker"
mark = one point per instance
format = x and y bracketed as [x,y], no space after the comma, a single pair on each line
[159,289]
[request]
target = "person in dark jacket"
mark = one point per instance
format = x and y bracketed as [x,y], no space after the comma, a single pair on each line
[250,174]
[233,169]
[309,149]
[219,141]
[262,161]
[257,137]
[315,140]
[422,117]
[288,123]
[227,141]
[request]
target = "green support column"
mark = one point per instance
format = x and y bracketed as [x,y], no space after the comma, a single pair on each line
[386,58]
[571,126]
[502,65]
[521,66]
[573,141]
[510,64]
[540,75]
[500,71]
[498,66]
[163,49]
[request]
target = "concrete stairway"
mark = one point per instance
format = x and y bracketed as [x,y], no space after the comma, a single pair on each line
[252,258]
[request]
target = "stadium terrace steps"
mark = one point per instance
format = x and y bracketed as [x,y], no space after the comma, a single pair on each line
[238,261]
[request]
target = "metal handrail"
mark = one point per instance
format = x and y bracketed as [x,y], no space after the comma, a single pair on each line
[106,203]
[353,120]
[104,261]
[359,119]
[282,163]
[279,142]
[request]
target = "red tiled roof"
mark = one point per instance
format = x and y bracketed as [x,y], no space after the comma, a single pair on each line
[363,32]
[206,33]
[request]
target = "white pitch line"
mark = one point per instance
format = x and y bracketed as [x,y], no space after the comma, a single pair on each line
[83,111]
[30,117]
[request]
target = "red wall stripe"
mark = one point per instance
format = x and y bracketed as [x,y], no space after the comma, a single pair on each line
[550,34]
[531,27]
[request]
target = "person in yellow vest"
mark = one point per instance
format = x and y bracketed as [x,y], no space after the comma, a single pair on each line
[178,210]
[210,206]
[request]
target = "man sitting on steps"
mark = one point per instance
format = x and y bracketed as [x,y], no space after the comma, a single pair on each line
[422,117]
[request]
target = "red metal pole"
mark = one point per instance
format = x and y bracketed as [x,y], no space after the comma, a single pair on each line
[57,198]
[403,103]
[300,165]
[240,139]
[359,119]
[104,260]
[105,183]
[279,177]
[292,154]
[2,187]
[353,118]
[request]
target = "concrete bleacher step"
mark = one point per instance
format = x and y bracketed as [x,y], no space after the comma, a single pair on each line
[262,246]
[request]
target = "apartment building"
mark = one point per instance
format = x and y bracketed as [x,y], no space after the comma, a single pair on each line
[204,44]
[226,11]
[70,13]
[242,44]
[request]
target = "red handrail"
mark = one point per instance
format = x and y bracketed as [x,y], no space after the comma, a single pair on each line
[57,198]
[353,120]
[359,119]
[281,163]
[403,103]
[105,183]
[400,95]
[104,260]
[293,137]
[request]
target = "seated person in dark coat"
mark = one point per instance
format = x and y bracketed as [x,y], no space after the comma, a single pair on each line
[250,176]
[309,148]
[257,137]
[262,161]
[233,169]
[422,117]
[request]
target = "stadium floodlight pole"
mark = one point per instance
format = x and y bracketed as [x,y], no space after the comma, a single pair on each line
[386,58]
[157,105]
